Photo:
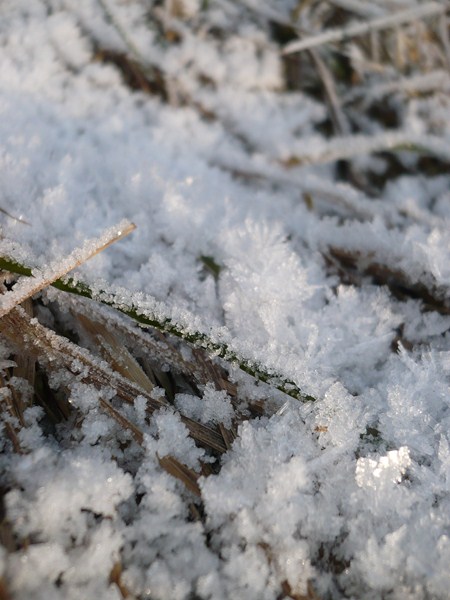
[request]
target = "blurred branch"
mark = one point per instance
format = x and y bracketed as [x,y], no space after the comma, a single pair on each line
[431,9]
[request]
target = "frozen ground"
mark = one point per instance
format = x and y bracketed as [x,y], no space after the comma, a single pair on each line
[328,244]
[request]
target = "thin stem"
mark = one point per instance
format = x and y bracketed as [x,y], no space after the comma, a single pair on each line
[339,35]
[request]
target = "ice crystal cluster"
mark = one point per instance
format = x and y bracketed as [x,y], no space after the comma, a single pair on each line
[297,205]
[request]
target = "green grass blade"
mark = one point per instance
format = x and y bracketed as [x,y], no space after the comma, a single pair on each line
[167,324]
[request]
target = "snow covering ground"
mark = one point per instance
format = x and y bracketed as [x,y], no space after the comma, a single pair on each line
[348,496]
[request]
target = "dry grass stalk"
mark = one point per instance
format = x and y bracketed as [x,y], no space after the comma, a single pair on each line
[181,472]
[12,416]
[116,577]
[24,370]
[204,435]
[229,435]
[115,353]
[10,401]
[17,321]
[350,147]
[339,118]
[123,421]
[12,435]
[54,349]
[152,345]
[202,369]
[27,287]
[205,371]
[398,281]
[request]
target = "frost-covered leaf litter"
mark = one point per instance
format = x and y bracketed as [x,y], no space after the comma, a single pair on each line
[346,497]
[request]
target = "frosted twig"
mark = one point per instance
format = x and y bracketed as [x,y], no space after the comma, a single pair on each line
[151,313]
[423,83]
[353,146]
[26,288]
[397,279]
[430,9]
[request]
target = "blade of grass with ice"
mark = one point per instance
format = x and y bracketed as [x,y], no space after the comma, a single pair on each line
[151,313]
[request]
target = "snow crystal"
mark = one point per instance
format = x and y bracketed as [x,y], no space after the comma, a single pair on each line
[214,407]
[36,566]
[58,501]
[140,405]
[378,473]
[173,439]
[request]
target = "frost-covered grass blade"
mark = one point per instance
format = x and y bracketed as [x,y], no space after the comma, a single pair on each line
[159,317]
